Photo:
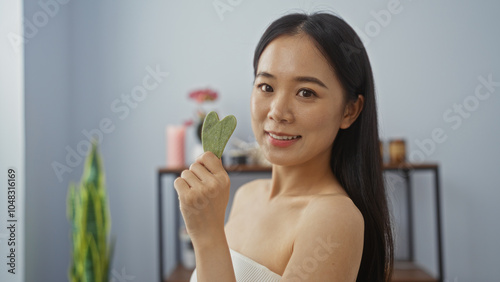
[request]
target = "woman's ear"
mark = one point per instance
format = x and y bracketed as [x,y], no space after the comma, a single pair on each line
[352,111]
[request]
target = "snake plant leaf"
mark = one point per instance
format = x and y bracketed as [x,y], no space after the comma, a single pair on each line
[96,260]
[88,214]
[215,134]
[93,172]
[70,210]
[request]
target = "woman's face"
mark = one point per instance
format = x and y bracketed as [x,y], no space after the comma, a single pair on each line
[297,102]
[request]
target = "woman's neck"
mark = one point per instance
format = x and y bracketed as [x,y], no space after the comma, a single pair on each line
[310,178]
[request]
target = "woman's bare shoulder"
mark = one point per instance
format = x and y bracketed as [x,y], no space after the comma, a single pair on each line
[331,233]
[335,201]
[332,215]
[246,194]
[251,189]
[333,208]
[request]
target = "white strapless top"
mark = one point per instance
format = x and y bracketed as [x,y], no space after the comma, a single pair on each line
[247,270]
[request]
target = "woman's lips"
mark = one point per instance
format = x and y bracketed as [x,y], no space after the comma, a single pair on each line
[282,140]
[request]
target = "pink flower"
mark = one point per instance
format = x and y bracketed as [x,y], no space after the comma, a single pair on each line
[203,95]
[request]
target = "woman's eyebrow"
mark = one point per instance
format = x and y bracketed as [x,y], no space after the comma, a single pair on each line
[311,79]
[265,74]
[298,78]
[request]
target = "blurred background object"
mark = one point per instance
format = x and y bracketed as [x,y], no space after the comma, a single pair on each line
[397,151]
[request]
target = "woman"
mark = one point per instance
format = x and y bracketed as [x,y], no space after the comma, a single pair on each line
[323,215]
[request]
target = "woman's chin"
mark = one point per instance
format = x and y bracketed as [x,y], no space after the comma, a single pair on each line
[281,159]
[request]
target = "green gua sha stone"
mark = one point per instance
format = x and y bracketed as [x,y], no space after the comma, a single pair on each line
[215,133]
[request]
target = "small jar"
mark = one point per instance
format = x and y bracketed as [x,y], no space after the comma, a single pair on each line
[397,151]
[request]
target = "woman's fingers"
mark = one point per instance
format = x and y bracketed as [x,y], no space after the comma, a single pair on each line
[205,178]
[210,161]
[181,185]
[204,174]
[183,192]
[200,171]
[190,178]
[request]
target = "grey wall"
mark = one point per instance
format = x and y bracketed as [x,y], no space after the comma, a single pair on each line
[48,115]
[426,60]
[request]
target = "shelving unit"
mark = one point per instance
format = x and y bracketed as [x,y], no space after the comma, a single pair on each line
[405,271]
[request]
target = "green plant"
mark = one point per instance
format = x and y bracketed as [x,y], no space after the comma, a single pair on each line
[88,213]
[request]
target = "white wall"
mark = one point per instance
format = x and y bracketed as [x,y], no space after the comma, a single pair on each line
[425,60]
[12,166]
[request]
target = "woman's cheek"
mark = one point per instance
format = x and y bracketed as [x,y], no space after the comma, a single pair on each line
[325,125]
[256,120]
[256,105]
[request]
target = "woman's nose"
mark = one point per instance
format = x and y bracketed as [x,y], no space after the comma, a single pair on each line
[280,109]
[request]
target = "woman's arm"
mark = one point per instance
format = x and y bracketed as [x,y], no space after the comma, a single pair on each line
[329,242]
[203,192]
[213,260]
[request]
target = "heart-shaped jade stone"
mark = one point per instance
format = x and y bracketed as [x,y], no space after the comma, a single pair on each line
[215,133]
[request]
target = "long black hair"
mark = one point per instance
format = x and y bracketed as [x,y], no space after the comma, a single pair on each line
[355,159]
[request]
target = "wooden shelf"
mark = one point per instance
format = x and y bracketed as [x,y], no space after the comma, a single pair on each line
[180,274]
[404,271]
[409,166]
[407,271]
[257,168]
[232,168]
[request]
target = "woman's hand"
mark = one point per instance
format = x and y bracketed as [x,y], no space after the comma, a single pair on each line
[203,192]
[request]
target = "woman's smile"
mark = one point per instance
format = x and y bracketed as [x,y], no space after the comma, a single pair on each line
[282,140]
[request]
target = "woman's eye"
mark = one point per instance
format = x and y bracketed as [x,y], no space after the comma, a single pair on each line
[306,93]
[265,88]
